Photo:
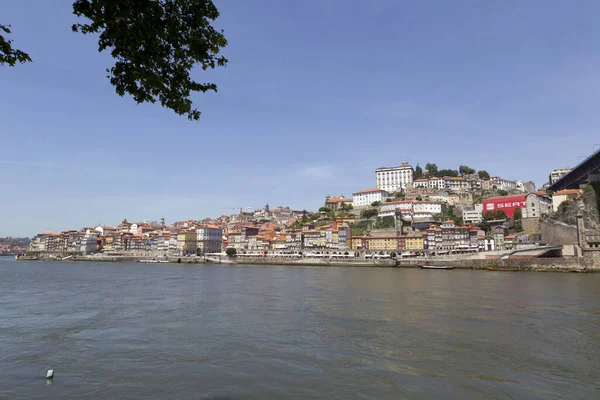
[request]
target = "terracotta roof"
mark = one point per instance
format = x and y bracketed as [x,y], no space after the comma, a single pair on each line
[339,200]
[567,192]
[368,191]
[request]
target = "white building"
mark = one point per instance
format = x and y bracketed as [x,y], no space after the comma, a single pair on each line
[536,206]
[558,173]
[89,241]
[366,197]
[456,183]
[209,239]
[502,184]
[473,215]
[392,179]
[563,195]
[431,183]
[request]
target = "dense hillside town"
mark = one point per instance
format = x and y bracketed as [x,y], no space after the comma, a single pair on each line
[409,210]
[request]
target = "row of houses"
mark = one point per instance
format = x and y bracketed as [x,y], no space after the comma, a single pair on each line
[440,238]
[124,239]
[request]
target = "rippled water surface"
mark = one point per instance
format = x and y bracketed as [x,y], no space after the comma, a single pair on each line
[219,332]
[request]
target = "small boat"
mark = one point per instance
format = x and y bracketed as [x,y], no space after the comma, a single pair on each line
[436,267]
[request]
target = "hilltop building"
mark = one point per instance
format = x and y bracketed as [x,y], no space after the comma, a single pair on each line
[393,179]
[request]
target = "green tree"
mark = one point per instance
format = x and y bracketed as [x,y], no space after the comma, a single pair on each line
[518,226]
[368,213]
[418,172]
[400,195]
[325,209]
[347,207]
[8,54]
[376,203]
[483,175]
[465,170]
[388,200]
[518,214]
[448,172]
[502,192]
[419,198]
[231,252]
[493,215]
[432,169]
[155,44]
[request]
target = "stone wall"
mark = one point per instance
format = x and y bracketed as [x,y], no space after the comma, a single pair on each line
[531,225]
[562,264]
[557,233]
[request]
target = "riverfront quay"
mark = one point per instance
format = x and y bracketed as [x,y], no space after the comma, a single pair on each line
[551,264]
[128,330]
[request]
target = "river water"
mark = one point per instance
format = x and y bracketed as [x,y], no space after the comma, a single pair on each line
[162,331]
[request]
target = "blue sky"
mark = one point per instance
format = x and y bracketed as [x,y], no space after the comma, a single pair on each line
[317,94]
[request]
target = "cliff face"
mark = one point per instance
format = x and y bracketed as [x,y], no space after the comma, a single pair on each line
[587,205]
[561,227]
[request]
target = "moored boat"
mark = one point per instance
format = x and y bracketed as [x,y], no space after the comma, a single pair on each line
[436,267]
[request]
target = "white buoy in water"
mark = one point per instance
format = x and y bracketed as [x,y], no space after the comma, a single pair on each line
[50,374]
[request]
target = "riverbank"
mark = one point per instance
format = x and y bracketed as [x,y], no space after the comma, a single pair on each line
[554,264]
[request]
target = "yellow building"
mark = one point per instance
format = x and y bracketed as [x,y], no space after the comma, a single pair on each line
[414,242]
[187,242]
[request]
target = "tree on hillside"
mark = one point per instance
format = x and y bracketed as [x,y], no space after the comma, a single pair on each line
[502,192]
[368,213]
[418,172]
[419,198]
[465,170]
[324,209]
[155,44]
[483,175]
[400,195]
[432,169]
[448,172]
[493,215]
[376,203]
[231,252]
[518,214]
[346,207]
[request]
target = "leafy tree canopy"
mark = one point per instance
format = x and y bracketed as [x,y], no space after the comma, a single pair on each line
[155,44]
[369,213]
[518,213]
[231,251]
[448,172]
[432,169]
[9,55]
[465,170]
[483,174]
[418,172]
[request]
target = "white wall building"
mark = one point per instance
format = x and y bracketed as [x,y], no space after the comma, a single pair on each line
[89,241]
[503,184]
[366,197]
[431,183]
[558,173]
[210,239]
[473,215]
[536,206]
[392,179]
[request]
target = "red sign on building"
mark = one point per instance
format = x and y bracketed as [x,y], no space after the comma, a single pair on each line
[506,203]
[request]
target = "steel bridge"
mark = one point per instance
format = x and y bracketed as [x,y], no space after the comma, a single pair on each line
[586,171]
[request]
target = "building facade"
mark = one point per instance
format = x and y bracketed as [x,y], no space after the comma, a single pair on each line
[558,173]
[393,179]
[209,239]
[366,197]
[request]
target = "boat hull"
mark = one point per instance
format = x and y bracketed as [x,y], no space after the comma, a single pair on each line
[435,267]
